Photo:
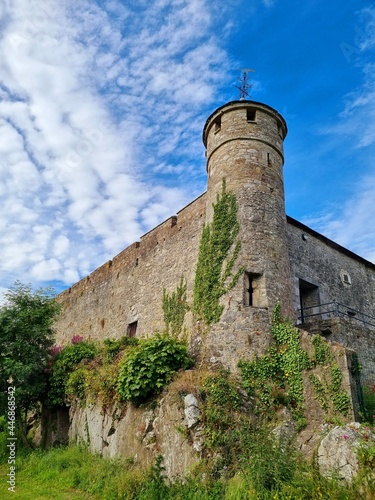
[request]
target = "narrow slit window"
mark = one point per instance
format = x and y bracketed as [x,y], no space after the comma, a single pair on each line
[252,290]
[250,115]
[132,328]
[249,299]
[217,124]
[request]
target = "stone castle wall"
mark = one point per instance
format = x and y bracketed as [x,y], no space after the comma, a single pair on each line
[244,146]
[247,151]
[129,288]
[323,263]
[347,311]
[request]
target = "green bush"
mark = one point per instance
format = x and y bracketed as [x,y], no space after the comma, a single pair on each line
[113,346]
[64,364]
[76,383]
[148,367]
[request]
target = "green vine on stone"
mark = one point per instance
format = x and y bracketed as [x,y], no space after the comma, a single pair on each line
[175,306]
[340,399]
[275,379]
[322,353]
[320,392]
[214,275]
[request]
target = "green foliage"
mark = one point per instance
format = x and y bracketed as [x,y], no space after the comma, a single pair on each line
[270,472]
[221,407]
[320,392]
[263,380]
[272,463]
[275,379]
[369,402]
[26,335]
[113,346]
[366,450]
[88,372]
[215,266]
[65,362]
[340,399]
[101,384]
[148,367]
[322,353]
[175,307]
[244,456]
[75,385]
[329,392]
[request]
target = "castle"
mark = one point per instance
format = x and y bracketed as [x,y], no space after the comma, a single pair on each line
[319,284]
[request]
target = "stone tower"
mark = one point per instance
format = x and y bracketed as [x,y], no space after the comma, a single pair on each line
[244,145]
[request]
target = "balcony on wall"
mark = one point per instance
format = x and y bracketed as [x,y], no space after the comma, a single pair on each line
[328,310]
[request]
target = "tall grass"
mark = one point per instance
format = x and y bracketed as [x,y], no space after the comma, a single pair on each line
[72,472]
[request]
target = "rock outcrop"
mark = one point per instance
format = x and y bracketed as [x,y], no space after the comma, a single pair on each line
[338,451]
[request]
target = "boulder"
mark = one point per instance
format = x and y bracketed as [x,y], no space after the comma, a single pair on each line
[338,451]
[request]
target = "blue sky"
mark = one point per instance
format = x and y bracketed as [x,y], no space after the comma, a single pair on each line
[102,105]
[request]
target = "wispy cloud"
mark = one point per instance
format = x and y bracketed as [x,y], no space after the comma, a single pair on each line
[95,102]
[268,3]
[351,224]
[357,119]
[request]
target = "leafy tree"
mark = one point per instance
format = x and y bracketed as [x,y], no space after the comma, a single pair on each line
[26,336]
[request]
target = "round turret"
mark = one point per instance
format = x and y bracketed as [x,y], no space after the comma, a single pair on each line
[244,145]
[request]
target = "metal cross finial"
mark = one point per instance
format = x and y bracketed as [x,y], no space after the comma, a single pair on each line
[245,86]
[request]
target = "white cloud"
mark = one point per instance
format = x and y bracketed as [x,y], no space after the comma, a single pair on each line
[357,120]
[351,224]
[365,36]
[93,100]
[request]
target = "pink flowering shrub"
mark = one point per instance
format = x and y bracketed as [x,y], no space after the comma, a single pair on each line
[76,339]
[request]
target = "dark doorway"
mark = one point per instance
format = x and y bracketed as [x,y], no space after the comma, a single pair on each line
[309,300]
[132,328]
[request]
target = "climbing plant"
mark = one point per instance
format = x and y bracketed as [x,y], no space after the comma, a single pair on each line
[214,275]
[328,385]
[322,353]
[175,306]
[276,379]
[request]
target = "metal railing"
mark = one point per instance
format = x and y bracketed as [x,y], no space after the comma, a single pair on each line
[334,309]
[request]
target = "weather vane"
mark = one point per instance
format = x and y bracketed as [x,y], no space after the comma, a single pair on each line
[245,85]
